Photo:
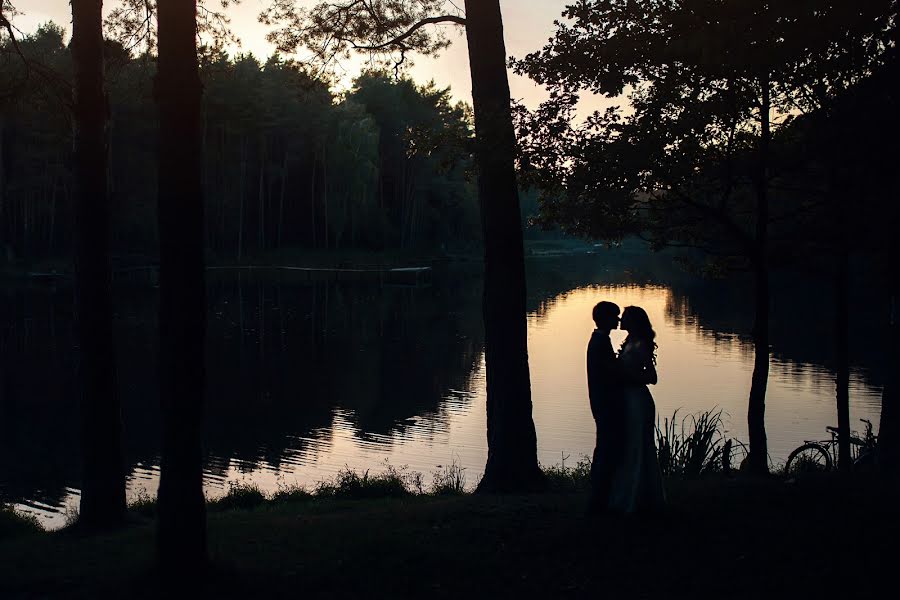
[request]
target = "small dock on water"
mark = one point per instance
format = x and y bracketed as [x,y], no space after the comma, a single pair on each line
[408,276]
[401,276]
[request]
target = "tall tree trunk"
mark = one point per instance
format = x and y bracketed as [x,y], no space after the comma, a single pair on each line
[224,180]
[838,197]
[181,541]
[103,481]
[889,427]
[240,248]
[758,459]
[281,193]
[261,195]
[2,189]
[325,196]
[512,444]
[842,352]
[312,197]
[51,234]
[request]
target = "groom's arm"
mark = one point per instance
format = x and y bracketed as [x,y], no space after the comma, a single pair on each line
[630,375]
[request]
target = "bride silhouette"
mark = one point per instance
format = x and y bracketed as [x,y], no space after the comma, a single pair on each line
[637,481]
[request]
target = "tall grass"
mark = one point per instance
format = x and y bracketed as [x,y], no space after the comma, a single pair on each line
[569,478]
[693,445]
[15,524]
[392,483]
[240,496]
[449,481]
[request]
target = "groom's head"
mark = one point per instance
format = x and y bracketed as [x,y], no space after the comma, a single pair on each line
[606,315]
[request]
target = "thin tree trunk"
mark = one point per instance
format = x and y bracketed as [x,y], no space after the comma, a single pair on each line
[223,186]
[325,195]
[181,536]
[281,193]
[240,252]
[758,459]
[103,481]
[312,197]
[52,228]
[889,426]
[261,196]
[842,354]
[2,189]
[512,444]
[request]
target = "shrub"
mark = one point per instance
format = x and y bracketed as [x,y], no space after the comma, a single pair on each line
[290,493]
[563,478]
[15,524]
[392,483]
[240,495]
[143,503]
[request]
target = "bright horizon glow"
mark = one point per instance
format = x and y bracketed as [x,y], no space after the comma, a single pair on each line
[528,24]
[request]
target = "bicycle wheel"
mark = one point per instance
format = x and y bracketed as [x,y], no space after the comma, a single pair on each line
[808,458]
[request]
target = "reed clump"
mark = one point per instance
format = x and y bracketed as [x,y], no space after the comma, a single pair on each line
[694,445]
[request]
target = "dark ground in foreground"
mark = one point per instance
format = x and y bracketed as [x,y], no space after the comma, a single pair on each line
[720,539]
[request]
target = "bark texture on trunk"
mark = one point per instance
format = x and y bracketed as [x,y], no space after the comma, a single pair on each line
[758,460]
[103,479]
[512,444]
[182,312]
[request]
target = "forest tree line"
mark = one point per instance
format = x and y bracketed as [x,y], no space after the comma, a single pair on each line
[288,162]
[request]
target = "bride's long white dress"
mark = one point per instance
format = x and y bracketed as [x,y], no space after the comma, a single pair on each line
[637,483]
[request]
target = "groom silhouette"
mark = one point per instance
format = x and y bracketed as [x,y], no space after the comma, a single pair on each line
[605,381]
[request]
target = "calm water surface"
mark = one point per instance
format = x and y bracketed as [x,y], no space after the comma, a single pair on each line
[308,378]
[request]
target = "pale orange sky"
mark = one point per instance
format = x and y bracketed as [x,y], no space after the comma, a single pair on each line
[528,25]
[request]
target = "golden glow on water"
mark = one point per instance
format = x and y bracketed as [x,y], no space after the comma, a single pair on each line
[699,369]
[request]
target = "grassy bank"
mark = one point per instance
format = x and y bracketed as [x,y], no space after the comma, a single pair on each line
[720,537]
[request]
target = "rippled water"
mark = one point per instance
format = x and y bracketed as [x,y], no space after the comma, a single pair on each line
[308,378]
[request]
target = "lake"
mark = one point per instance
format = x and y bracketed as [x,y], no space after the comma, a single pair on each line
[308,378]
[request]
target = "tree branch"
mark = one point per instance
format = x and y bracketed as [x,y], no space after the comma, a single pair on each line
[398,41]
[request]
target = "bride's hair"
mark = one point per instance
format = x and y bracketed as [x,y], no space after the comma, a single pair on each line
[639,327]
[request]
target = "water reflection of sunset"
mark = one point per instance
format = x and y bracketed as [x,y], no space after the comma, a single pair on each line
[424,420]
[699,370]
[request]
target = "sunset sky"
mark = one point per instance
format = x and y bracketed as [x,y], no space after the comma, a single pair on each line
[528,25]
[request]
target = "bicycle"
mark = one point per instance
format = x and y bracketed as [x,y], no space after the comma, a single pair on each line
[822,455]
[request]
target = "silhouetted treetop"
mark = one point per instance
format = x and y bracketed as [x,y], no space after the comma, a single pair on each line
[133,23]
[386,30]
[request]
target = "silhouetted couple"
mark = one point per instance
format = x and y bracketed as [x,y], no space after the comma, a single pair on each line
[625,474]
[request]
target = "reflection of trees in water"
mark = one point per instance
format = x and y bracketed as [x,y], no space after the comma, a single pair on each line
[283,355]
[720,311]
[383,354]
[802,318]
[38,405]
